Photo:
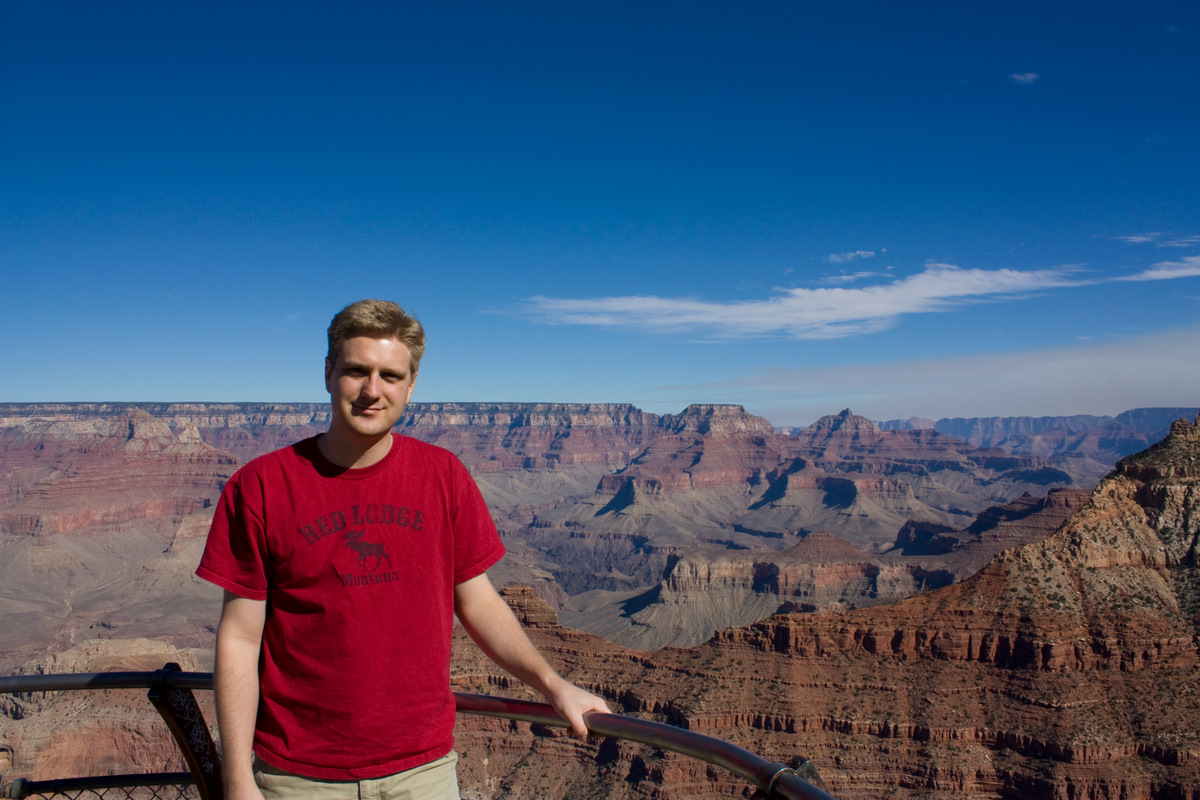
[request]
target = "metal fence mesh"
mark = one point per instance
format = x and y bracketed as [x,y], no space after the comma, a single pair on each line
[161,792]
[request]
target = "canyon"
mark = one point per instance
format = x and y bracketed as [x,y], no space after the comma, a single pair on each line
[917,613]
[606,510]
[1066,667]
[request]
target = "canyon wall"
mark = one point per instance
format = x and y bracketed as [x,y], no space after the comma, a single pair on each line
[1065,667]
[595,501]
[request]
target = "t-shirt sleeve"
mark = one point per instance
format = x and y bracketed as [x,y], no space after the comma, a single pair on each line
[235,555]
[477,545]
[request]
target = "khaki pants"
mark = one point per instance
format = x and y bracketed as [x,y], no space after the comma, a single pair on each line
[436,780]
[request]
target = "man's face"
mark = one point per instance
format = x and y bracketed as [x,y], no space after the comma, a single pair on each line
[369,385]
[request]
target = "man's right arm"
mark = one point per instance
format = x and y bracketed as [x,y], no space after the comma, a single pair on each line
[239,641]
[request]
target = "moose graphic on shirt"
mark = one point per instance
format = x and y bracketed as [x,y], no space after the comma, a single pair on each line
[366,550]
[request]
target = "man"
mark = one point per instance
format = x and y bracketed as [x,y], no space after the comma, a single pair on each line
[344,559]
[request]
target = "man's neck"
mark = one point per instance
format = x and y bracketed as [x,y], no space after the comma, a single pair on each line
[353,452]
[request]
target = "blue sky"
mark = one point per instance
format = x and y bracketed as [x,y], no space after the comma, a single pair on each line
[907,209]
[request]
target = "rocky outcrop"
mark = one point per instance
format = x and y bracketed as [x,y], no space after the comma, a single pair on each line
[531,610]
[707,446]
[1168,479]
[498,437]
[962,552]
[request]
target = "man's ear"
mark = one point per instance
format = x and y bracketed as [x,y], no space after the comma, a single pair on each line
[328,375]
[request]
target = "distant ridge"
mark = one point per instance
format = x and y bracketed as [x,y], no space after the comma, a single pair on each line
[1145,425]
[1158,419]
[1101,438]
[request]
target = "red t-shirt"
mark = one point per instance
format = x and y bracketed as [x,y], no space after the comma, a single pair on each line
[358,568]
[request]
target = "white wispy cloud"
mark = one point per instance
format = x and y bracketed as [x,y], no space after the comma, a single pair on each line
[1025,78]
[843,258]
[1139,238]
[850,277]
[804,313]
[1168,270]
[1160,239]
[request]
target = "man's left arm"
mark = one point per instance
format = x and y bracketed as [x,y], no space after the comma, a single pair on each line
[494,627]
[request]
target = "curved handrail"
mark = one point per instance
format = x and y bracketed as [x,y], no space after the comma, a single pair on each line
[773,778]
[766,775]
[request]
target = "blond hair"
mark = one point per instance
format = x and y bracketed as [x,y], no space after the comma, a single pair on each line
[379,319]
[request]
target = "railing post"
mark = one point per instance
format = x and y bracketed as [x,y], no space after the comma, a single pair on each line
[180,711]
[18,789]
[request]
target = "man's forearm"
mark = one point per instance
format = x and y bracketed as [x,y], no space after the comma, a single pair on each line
[236,687]
[505,643]
[235,681]
[492,625]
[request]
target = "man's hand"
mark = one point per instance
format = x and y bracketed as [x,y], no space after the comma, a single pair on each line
[572,703]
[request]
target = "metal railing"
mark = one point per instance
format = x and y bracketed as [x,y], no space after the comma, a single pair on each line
[171,694]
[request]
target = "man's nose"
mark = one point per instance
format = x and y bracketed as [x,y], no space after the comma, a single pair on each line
[371,387]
